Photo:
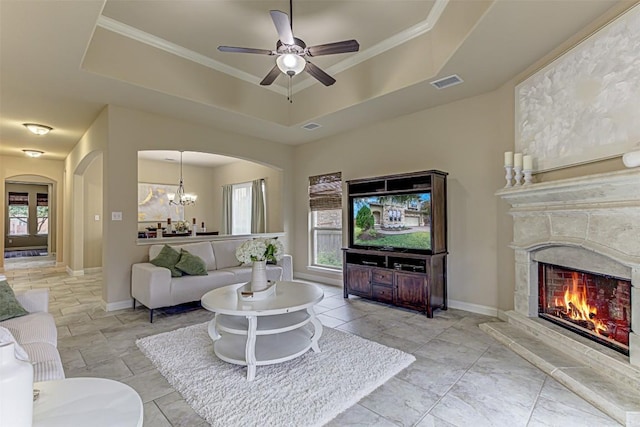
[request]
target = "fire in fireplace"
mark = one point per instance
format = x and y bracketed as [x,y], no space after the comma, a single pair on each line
[593,305]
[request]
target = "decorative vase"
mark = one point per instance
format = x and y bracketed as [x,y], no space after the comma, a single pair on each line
[16,388]
[259,276]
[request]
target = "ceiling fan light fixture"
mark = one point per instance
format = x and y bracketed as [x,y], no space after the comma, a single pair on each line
[38,129]
[291,64]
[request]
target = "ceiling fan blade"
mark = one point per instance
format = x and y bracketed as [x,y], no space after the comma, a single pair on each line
[319,75]
[331,48]
[234,49]
[283,26]
[269,78]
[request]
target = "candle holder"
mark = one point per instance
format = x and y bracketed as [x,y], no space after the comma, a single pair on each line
[518,176]
[528,179]
[508,176]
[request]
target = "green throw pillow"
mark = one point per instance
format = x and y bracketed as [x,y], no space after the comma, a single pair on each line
[9,305]
[191,264]
[168,258]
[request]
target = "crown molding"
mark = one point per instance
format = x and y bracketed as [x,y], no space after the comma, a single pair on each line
[353,60]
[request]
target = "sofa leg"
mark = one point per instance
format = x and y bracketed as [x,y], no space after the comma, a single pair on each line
[134,303]
[151,315]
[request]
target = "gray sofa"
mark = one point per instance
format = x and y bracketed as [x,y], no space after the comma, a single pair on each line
[154,287]
[36,332]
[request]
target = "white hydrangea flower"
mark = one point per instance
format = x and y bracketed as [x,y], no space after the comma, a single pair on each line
[260,249]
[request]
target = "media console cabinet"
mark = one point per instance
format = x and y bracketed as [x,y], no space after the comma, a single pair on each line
[402,277]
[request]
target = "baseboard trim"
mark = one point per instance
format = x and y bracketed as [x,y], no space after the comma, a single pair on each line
[71,272]
[93,270]
[319,279]
[473,308]
[119,305]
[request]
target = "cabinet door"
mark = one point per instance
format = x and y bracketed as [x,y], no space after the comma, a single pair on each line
[359,280]
[411,290]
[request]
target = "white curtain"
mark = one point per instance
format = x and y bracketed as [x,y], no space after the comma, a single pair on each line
[227,195]
[258,208]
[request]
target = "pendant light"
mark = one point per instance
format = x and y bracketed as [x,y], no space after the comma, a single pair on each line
[180,197]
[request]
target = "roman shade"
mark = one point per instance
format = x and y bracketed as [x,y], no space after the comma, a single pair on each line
[325,191]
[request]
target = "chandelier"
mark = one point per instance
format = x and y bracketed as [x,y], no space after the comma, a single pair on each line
[180,197]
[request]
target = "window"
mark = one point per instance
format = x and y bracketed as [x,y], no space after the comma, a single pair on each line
[42,213]
[18,214]
[241,208]
[325,204]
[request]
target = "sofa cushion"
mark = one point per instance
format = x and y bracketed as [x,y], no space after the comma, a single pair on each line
[191,264]
[7,337]
[33,328]
[225,253]
[47,365]
[168,258]
[192,288]
[9,305]
[201,249]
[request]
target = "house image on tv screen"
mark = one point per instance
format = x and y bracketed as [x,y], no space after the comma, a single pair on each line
[393,221]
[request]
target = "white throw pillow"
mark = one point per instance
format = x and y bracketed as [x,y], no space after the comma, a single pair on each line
[7,337]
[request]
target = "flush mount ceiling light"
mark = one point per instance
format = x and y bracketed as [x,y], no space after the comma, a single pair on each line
[38,129]
[33,153]
[180,197]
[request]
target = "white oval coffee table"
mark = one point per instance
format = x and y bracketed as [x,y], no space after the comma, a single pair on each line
[266,331]
[96,402]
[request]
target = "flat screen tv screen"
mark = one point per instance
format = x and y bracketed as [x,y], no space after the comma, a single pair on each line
[399,222]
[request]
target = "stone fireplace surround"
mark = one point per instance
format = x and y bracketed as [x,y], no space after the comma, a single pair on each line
[590,223]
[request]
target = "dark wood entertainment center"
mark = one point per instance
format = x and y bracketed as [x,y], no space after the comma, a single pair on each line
[402,277]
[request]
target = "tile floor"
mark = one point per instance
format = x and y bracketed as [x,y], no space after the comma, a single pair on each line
[462,377]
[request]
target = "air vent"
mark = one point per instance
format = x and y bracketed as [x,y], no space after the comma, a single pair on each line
[447,81]
[311,126]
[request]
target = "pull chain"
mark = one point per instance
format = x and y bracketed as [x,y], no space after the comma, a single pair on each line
[289,94]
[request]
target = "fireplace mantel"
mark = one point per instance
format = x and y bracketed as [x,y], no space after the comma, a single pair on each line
[580,221]
[621,187]
[590,223]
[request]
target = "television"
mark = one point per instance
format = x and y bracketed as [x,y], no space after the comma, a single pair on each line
[398,222]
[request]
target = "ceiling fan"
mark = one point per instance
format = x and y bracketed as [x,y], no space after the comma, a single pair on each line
[292,52]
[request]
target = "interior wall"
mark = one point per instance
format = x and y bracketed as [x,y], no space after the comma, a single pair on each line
[241,171]
[92,144]
[130,131]
[92,214]
[466,139]
[35,170]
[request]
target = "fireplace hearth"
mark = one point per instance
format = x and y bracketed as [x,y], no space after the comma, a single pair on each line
[593,305]
[578,235]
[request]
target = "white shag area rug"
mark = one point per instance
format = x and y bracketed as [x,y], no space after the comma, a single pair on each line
[310,390]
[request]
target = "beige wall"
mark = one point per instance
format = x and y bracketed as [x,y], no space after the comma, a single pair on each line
[35,170]
[465,139]
[92,145]
[130,131]
[92,206]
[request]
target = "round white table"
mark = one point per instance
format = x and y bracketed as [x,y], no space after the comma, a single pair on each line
[267,331]
[95,402]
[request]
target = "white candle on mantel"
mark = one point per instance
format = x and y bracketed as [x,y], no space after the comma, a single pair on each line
[528,163]
[508,158]
[517,160]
